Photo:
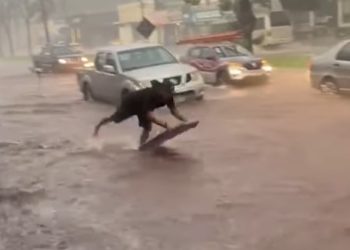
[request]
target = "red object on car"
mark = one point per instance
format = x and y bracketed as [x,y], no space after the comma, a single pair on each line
[217,38]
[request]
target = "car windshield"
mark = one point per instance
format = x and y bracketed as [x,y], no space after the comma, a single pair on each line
[145,57]
[62,50]
[236,50]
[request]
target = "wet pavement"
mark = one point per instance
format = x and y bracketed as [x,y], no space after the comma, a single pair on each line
[267,169]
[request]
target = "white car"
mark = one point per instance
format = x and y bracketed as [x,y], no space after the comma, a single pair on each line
[121,69]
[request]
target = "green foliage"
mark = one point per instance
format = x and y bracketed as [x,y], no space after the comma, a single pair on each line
[192,2]
[225,5]
[292,61]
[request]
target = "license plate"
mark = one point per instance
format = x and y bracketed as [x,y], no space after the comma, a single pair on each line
[256,73]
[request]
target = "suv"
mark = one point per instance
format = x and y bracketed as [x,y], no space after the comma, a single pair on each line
[222,64]
[55,58]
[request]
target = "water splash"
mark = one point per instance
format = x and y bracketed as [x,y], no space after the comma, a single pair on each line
[95,143]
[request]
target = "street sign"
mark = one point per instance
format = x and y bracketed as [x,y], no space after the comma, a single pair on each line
[145,28]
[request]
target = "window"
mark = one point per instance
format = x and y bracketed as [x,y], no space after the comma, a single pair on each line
[100,61]
[243,51]
[279,18]
[344,53]
[219,52]
[64,50]
[260,23]
[345,11]
[145,57]
[236,50]
[208,53]
[110,60]
[195,52]
[46,51]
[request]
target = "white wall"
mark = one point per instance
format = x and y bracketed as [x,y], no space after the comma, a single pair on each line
[344,9]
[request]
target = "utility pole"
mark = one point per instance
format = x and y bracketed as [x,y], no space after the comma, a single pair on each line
[64,9]
[142,6]
[28,26]
[44,17]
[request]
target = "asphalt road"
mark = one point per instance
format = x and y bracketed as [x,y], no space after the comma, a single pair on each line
[267,169]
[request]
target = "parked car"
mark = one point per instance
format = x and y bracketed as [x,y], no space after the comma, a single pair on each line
[330,72]
[56,58]
[225,63]
[121,69]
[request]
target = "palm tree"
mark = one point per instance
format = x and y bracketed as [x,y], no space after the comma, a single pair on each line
[28,10]
[7,11]
[246,20]
[192,2]
[31,9]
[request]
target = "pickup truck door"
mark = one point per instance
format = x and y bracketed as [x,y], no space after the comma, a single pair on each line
[107,84]
[113,81]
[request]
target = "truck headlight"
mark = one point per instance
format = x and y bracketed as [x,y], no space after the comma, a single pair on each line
[195,76]
[235,69]
[266,66]
[62,61]
[88,65]
[235,72]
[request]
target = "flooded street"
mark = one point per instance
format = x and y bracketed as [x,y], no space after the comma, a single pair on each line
[266,169]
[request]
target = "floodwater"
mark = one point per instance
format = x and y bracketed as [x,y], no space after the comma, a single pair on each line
[266,169]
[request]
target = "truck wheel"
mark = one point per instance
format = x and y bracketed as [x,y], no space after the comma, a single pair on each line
[222,78]
[329,86]
[200,98]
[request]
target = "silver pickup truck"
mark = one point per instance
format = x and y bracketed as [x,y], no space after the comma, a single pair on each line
[121,69]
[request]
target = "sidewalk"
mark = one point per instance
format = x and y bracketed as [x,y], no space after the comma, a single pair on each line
[14,68]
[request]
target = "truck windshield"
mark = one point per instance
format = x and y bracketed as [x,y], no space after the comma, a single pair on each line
[236,50]
[63,50]
[145,57]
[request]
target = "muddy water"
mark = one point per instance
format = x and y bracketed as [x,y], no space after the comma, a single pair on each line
[267,168]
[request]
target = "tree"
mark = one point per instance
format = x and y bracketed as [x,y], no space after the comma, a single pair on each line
[1,44]
[31,10]
[246,20]
[192,2]
[28,10]
[7,10]
[225,5]
[44,16]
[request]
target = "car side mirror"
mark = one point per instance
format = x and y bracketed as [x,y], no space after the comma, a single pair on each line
[109,69]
